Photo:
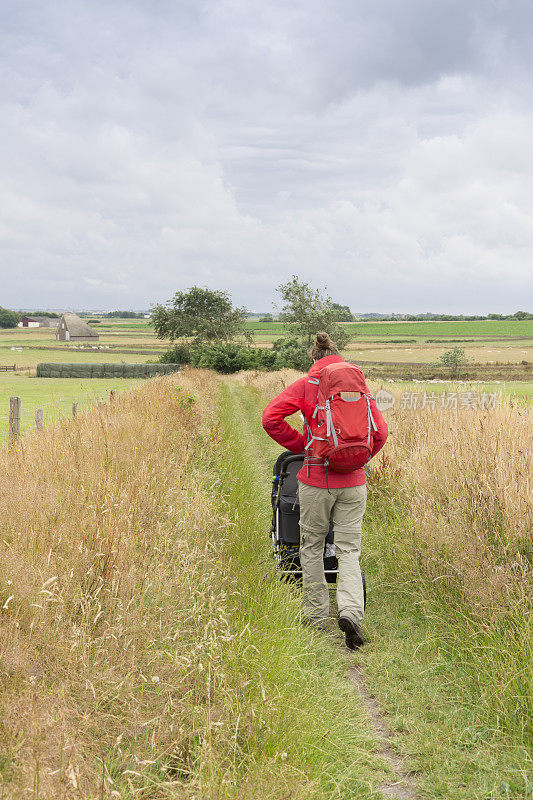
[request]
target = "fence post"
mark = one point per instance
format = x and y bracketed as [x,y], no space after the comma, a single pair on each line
[39,419]
[112,395]
[14,420]
[74,409]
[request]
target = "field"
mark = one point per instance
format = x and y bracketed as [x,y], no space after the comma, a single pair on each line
[54,396]
[489,342]
[148,650]
[119,342]
[497,348]
[493,329]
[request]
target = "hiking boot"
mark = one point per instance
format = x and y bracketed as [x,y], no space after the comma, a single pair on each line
[352,632]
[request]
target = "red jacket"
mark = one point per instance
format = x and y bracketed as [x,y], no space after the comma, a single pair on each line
[302,396]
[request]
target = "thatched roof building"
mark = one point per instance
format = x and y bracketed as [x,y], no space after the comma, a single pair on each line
[73,329]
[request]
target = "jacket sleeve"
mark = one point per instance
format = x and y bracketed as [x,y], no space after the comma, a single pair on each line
[380,436]
[288,402]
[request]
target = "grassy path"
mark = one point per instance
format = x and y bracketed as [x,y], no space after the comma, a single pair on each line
[430,702]
[258,453]
[250,464]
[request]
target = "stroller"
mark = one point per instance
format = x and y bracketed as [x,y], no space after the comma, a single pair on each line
[285,530]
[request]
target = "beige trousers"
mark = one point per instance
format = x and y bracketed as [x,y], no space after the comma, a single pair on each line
[348,507]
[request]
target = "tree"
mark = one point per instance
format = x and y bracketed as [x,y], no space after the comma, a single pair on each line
[266,318]
[306,312]
[8,319]
[200,314]
[49,314]
[345,315]
[454,360]
[124,315]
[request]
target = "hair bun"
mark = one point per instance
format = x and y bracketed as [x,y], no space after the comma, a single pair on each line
[323,346]
[323,341]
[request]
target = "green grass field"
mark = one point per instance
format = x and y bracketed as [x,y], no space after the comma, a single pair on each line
[30,358]
[494,328]
[54,395]
[35,391]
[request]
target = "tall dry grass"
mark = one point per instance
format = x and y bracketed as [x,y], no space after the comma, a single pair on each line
[103,619]
[269,383]
[466,478]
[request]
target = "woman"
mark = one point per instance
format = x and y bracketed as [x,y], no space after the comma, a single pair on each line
[324,494]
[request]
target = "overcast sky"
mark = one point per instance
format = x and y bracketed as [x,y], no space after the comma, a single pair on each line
[382,150]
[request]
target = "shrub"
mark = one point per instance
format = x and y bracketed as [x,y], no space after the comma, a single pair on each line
[179,354]
[228,357]
[455,360]
[290,352]
[231,357]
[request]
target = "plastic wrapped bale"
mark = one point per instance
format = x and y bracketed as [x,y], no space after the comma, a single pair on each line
[81,370]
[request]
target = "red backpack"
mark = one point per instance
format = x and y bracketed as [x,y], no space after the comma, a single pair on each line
[342,426]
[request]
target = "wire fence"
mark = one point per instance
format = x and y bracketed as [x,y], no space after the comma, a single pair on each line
[21,420]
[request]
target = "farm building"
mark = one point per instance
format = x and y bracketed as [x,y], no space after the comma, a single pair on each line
[37,322]
[73,329]
[28,322]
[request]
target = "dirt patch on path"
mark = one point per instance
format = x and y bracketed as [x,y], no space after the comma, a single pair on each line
[402,784]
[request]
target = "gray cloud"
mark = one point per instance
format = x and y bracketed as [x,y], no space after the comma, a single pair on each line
[376,147]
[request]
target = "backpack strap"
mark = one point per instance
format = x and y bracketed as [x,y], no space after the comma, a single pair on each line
[330,428]
[371,423]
